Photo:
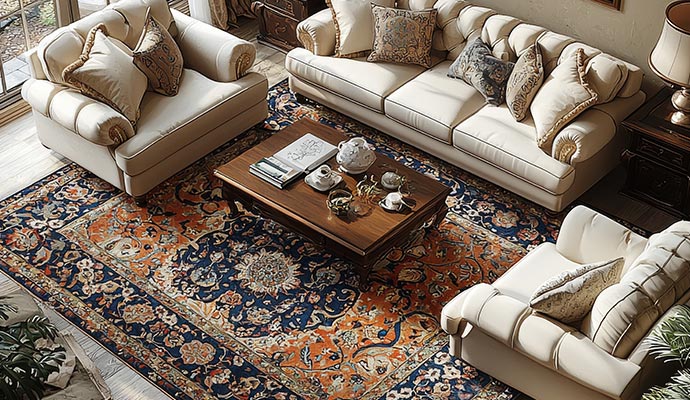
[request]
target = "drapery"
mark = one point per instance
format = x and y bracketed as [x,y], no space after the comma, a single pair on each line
[224,13]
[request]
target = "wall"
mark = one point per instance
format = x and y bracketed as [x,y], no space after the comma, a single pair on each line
[629,34]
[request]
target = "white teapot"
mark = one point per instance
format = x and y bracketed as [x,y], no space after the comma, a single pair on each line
[355,155]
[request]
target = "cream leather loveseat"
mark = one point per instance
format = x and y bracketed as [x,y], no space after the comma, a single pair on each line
[493,328]
[449,119]
[217,99]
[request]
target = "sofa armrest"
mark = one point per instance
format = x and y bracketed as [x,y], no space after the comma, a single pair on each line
[593,129]
[587,236]
[584,137]
[317,33]
[582,360]
[486,308]
[89,118]
[214,53]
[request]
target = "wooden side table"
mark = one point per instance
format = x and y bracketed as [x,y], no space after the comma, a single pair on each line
[658,156]
[278,20]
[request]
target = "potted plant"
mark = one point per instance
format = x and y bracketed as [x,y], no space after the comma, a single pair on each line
[25,360]
[670,340]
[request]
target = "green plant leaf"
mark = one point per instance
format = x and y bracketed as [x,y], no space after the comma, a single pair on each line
[670,339]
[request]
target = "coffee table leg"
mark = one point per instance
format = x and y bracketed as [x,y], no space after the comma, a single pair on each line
[440,215]
[363,271]
[227,195]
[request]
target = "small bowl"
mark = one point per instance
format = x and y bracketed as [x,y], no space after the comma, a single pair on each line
[339,201]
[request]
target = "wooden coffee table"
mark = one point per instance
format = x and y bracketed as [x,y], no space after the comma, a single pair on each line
[362,240]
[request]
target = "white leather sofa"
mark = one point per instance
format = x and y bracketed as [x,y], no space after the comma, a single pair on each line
[492,327]
[217,99]
[449,119]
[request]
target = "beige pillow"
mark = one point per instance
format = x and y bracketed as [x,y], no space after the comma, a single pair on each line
[569,296]
[354,26]
[106,73]
[403,36]
[524,82]
[158,56]
[564,95]
[606,76]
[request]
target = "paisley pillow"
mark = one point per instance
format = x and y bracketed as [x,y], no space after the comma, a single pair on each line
[403,36]
[158,56]
[569,296]
[524,82]
[477,66]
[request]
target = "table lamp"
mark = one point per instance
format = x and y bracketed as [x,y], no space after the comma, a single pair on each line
[670,58]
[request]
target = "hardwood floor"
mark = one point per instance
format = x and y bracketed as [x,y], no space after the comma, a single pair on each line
[23,160]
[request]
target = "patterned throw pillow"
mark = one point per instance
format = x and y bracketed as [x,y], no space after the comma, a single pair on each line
[106,73]
[478,67]
[569,296]
[158,56]
[564,95]
[403,36]
[524,82]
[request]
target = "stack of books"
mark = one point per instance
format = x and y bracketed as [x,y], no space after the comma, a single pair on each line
[285,166]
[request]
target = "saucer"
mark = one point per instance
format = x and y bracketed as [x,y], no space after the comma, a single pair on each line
[309,180]
[383,205]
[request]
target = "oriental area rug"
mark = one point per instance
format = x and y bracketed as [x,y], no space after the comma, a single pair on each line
[211,306]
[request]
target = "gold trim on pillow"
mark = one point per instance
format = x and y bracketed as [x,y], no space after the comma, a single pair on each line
[338,54]
[549,135]
[68,76]
[69,72]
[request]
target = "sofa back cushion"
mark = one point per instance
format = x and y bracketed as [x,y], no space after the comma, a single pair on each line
[623,314]
[123,20]
[459,23]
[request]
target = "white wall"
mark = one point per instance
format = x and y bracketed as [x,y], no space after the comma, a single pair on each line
[629,34]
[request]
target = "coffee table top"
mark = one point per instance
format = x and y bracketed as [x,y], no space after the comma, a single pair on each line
[299,202]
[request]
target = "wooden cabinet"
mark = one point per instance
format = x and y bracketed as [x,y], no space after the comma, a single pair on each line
[278,20]
[658,156]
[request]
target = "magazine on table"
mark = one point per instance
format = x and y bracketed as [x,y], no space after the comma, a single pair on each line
[274,171]
[302,155]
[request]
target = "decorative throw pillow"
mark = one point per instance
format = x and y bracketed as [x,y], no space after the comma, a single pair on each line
[478,67]
[569,296]
[354,26]
[158,56]
[606,76]
[106,73]
[564,95]
[403,36]
[524,82]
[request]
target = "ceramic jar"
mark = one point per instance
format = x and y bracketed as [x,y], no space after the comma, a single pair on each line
[355,156]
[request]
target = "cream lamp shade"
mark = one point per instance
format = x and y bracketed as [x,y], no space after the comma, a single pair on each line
[670,58]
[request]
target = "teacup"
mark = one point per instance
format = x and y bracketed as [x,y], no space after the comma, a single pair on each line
[393,201]
[324,176]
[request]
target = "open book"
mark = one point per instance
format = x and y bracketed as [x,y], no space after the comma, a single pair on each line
[302,155]
[306,153]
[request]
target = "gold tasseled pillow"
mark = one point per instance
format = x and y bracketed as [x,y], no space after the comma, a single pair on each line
[106,73]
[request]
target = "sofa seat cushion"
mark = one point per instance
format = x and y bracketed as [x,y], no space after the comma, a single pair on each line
[433,103]
[361,82]
[493,135]
[528,274]
[167,124]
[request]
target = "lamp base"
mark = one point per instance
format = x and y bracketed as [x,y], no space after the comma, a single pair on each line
[681,102]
